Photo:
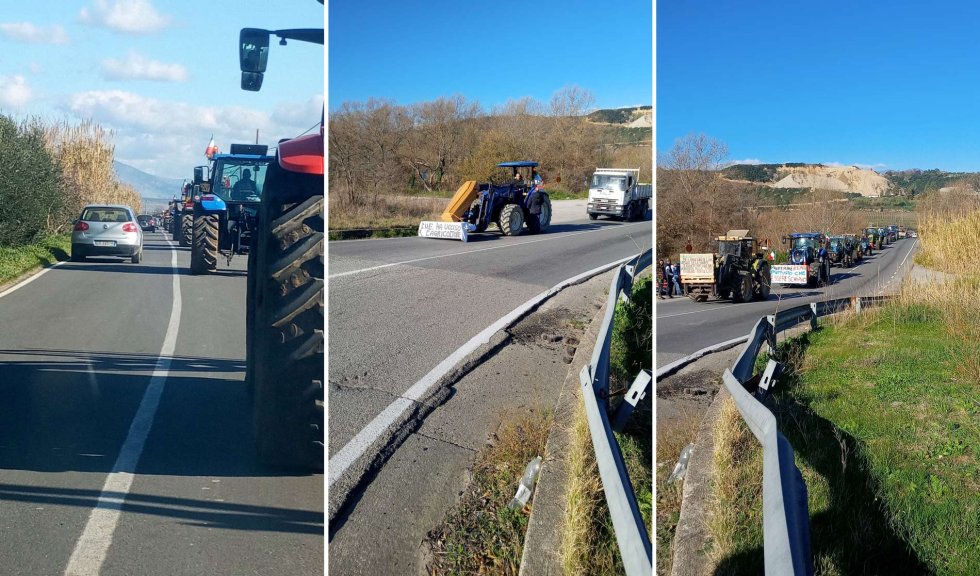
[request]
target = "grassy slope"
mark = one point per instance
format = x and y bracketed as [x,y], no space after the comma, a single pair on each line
[885,432]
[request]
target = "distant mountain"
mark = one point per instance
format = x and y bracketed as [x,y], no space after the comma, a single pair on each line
[638,117]
[153,189]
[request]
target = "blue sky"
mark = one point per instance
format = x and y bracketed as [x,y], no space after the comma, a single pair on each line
[490,52]
[889,85]
[162,74]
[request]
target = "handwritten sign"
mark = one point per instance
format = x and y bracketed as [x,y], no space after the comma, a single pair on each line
[446,230]
[697,268]
[789,274]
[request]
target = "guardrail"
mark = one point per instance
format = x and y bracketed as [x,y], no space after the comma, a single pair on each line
[785,513]
[631,532]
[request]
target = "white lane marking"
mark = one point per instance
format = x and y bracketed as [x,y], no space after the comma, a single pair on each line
[553,237]
[27,281]
[359,444]
[92,546]
[907,255]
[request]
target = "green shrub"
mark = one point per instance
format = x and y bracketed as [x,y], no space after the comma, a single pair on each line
[29,193]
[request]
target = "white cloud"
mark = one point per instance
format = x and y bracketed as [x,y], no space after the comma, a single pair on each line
[132,16]
[15,92]
[138,67]
[168,138]
[753,161]
[27,32]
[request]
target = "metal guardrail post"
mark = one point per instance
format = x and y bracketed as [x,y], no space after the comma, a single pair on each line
[636,393]
[773,369]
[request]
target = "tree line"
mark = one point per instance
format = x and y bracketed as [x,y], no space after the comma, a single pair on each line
[48,172]
[379,147]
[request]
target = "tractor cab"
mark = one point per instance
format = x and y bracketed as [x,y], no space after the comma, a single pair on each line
[739,247]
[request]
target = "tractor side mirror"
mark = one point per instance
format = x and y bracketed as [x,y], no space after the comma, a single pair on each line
[253,56]
[784,239]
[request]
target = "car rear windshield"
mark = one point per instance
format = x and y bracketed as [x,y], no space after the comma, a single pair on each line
[105,215]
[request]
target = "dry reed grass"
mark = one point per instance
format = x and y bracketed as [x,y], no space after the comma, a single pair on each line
[85,153]
[385,212]
[582,549]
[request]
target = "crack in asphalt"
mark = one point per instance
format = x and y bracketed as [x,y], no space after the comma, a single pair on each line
[473,450]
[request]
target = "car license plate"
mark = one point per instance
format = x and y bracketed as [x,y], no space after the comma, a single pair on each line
[105,243]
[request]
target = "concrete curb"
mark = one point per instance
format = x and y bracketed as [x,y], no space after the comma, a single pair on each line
[541,555]
[691,534]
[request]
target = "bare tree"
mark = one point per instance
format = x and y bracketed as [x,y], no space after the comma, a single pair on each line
[438,138]
[693,201]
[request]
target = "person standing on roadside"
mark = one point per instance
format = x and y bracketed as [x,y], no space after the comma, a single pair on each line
[661,281]
[677,278]
[669,278]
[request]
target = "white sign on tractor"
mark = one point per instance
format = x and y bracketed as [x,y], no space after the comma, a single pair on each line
[789,274]
[697,268]
[445,230]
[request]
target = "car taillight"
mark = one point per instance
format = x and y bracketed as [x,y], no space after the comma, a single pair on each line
[81,226]
[129,227]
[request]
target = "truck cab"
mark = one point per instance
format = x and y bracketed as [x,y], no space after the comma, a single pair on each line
[617,192]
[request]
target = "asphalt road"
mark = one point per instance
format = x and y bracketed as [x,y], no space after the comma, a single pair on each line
[685,326]
[399,307]
[79,366]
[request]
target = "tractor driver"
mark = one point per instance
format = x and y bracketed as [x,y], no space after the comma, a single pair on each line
[244,187]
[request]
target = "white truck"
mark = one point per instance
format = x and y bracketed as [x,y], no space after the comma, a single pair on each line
[618,192]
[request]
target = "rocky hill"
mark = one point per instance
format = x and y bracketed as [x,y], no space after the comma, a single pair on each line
[863,181]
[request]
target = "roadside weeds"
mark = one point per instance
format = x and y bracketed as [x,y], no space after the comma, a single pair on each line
[22,260]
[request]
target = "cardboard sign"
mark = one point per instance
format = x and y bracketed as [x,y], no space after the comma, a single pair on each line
[445,230]
[697,268]
[789,274]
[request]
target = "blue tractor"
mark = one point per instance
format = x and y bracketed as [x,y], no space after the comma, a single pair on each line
[509,204]
[226,208]
[810,249]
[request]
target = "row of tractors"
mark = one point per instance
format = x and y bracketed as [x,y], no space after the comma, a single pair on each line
[270,207]
[742,269]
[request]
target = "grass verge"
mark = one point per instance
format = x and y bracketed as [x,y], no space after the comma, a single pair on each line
[885,428]
[17,261]
[482,535]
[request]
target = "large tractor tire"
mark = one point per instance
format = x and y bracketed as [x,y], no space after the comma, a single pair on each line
[186,229]
[742,291]
[511,220]
[285,350]
[593,216]
[204,250]
[545,217]
[250,316]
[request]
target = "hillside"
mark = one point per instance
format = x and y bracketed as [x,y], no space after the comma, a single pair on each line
[153,189]
[850,179]
[639,117]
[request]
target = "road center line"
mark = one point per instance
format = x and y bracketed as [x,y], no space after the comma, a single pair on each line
[92,546]
[359,444]
[553,237]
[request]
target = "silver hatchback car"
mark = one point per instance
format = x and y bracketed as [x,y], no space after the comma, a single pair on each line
[107,230]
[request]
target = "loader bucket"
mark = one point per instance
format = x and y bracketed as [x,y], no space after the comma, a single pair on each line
[445,230]
[460,203]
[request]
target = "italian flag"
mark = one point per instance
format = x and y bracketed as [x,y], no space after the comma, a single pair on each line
[212,148]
